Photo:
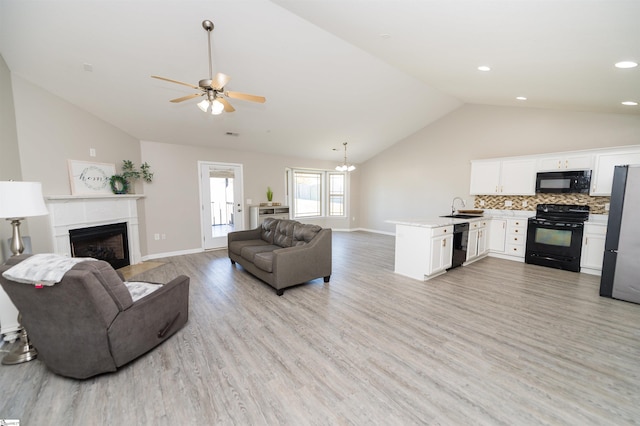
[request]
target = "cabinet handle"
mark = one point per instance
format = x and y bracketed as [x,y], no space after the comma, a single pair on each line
[515,230]
[566,164]
[496,188]
[515,239]
[444,243]
[586,241]
[501,188]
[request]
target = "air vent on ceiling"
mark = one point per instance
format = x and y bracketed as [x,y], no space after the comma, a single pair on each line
[232,134]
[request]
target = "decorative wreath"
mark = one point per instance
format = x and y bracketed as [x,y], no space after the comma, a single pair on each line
[119,184]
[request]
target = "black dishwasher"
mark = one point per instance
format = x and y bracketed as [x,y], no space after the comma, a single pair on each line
[460,241]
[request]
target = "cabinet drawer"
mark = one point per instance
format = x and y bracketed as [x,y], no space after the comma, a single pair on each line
[515,250]
[516,240]
[478,225]
[443,230]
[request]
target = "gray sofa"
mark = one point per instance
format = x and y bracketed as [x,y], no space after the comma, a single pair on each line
[283,253]
[88,323]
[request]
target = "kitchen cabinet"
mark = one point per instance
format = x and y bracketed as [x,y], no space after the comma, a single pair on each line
[593,248]
[477,242]
[566,162]
[503,177]
[498,235]
[257,214]
[516,238]
[602,176]
[423,252]
[441,251]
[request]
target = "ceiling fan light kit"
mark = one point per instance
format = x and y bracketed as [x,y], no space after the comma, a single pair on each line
[213,87]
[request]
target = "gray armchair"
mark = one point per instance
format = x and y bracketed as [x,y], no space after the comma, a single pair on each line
[88,323]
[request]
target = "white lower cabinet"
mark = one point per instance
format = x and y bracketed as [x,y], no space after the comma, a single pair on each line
[593,248]
[508,238]
[421,252]
[498,235]
[477,246]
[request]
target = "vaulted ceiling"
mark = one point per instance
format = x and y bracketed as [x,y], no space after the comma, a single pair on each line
[366,72]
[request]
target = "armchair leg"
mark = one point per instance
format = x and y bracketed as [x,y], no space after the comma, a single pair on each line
[233,262]
[280,291]
[326,279]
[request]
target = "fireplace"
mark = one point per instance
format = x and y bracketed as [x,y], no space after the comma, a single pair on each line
[106,242]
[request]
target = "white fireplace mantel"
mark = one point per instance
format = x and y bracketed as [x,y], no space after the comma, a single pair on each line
[68,212]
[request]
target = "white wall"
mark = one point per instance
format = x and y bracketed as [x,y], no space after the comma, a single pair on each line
[172,201]
[50,132]
[420,175]
[9,153]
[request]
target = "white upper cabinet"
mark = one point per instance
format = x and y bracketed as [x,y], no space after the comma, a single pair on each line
[503,177]
[566,162]
[602,177]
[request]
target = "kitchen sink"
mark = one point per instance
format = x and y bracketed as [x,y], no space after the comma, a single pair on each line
[463,216]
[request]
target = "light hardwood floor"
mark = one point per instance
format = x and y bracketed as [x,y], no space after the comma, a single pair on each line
[496,342]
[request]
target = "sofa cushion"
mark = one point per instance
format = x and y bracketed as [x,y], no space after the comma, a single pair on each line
[304,232]
[250,252]
[268,229]
[284,233]
[264,261]
[236,247]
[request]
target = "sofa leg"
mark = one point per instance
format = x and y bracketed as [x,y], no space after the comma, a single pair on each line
[233,262]
[326,279]
[280,291]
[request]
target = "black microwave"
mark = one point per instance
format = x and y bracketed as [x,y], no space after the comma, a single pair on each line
[565,182]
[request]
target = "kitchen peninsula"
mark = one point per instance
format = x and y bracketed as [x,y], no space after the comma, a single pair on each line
[424,246]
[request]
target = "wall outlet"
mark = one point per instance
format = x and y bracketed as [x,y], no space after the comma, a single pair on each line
[164,236]
[481,203]
[508,203]
[249,201]
[156,237]
[92,152]
[606,206]
[525,204]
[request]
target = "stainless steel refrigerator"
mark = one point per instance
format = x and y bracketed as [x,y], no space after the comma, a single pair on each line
[621,266]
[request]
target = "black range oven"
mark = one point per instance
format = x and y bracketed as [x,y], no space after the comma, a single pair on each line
[554,236]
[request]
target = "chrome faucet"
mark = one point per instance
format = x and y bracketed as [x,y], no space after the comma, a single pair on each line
[453,203]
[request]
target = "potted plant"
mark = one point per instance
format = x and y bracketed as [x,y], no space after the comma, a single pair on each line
[121,183]
[269,195]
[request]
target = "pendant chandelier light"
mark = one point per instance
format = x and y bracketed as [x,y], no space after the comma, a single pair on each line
[345,167]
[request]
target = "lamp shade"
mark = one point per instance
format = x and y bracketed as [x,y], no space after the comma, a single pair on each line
[21,199]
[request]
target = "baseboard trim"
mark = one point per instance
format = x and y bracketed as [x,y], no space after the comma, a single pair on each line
[170,254]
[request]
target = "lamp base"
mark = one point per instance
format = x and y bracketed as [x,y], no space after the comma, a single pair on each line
[23,353]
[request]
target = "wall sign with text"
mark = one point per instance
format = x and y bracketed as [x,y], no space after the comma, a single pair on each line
[90,178]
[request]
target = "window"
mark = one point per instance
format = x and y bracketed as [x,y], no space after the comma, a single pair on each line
[317,193]
[336,194]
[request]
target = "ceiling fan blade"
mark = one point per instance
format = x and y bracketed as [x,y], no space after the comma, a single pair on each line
[219,81]
[246,97]
[227,105]
[186,98]
[175,81]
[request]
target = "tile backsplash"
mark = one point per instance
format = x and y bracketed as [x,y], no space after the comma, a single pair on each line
[596,204]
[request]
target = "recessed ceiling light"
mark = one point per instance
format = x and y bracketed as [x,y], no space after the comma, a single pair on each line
[484,68]
[385,36]
[87,67]
[630,103]
[626,64]
[521,98]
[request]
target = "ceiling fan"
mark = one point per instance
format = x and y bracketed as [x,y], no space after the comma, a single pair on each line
[213,87]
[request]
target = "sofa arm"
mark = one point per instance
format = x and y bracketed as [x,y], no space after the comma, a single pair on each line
[150,321]
[250,234]
[298,264]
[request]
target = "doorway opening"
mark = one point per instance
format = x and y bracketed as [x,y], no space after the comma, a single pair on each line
[221,194]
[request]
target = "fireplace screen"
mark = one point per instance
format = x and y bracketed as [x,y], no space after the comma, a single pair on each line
[107,242]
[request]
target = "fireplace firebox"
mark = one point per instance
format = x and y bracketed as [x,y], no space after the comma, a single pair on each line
[106,242]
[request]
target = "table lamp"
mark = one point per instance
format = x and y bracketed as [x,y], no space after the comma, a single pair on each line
[19,200]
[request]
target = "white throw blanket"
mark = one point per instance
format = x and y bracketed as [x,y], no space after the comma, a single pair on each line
[46,269]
